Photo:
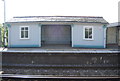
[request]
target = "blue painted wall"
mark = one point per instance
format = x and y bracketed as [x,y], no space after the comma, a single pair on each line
[98,34]
[76,35]
[34,35]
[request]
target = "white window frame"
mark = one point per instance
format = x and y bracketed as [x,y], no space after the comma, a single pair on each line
[84,33]
[20,31]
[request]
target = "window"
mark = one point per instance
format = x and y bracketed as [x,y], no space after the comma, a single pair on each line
[24,32]
[88,33]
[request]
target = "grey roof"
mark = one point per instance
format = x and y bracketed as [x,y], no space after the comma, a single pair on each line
[81,19]
[116,24]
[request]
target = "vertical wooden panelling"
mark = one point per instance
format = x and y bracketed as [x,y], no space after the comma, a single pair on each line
[111,35]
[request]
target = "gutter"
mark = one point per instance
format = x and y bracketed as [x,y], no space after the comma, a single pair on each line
[55,22]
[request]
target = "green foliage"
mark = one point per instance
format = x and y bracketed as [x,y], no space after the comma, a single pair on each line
[1,35]
[2,32]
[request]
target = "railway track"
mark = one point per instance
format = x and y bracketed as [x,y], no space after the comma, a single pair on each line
[86,66]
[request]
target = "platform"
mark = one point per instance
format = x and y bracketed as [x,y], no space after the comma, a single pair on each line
[52,61]
[61,48]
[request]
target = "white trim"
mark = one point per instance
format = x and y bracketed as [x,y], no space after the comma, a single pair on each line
[104,37]
[40,36]
[28,32]
[72,35]
[84,32]
[8,36]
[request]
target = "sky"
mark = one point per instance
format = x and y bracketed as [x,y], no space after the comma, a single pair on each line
[108,9]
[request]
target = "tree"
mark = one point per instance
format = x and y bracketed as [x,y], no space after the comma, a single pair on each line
[1,35]
[0,38]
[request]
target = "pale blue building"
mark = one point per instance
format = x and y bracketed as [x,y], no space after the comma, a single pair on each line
[75,31]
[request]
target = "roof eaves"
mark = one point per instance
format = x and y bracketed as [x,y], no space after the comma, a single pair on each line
[58,16]
[56,21]
[116,24]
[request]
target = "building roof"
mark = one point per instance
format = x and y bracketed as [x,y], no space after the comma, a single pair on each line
[116,24]
[79,19]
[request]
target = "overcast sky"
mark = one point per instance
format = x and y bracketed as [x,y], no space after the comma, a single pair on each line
[106,8]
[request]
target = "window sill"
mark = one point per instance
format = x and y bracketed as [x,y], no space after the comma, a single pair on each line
[24,38]
[89,39]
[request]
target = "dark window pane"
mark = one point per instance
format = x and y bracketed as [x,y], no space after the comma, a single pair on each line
[90,33]
[86,29]
[86,33]
[90,28]
[22,34]
[26,28]
[90,36]
[22,28]
[26,34]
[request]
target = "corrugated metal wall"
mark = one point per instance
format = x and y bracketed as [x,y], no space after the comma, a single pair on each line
[56,34]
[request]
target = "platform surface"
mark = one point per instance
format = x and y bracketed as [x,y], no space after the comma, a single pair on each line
[61,48]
